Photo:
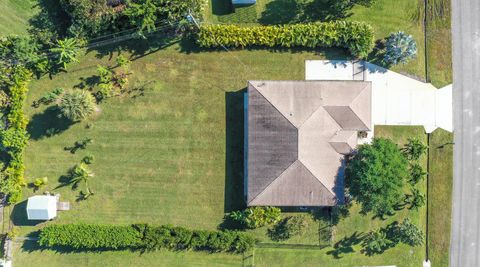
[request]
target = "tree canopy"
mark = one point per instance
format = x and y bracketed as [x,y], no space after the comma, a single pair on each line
[376,174]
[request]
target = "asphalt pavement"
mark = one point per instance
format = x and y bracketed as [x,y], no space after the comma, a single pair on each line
[465,242]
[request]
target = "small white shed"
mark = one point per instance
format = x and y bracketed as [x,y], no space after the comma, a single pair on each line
[42,207]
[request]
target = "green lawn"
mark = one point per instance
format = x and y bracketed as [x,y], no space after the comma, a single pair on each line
[440,196]
[439,42]
[15,15]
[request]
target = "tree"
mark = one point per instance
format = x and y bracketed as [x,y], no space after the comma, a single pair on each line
[414,149]
[288,227]
[81,174]
[416,173]
[254,217]
[376,242]
[143,14]
[416,199]
[399,48]
[405,232]
[66,51]
[376,174]
[76,105]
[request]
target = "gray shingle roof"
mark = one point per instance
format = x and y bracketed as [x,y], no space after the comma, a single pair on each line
[298,132]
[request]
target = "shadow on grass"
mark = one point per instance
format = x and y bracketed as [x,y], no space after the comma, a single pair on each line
[138,48]
[281,12]
[47,123]
[19,215]
[346,244]
[234,165]
[222,7]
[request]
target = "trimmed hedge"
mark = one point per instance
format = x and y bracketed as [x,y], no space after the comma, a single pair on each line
[143,237]
[90,236]
[357,37]
[14,138]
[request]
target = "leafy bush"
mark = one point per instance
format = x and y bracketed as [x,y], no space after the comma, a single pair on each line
[90,236]
[288,227]
[49,97]
[39,182]
[375,176]
[399,48]
[414,149]
[143,237]
[357,37]
[254,217]
[405,232]
[416,199]
[416,173]
[23,50]
[375,243]
[88,159]
[65,52]
[76,105]
[14,80]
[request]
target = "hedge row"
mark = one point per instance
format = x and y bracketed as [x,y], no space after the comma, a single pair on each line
[357,37]
[14,136]
[143,237]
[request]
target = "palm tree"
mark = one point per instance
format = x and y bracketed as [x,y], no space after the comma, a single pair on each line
[76,105]
[66,51]
[81,174]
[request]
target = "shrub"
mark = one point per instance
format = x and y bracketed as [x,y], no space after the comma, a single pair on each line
[76,105]
[144,237]
[90,236]
[39,182]
[416,199]
[416,173]
[399,48]
[288,227]
[375,243]
[88,159]
[357,37]
[376,174]
[405,232]
[414,149]
[254,217]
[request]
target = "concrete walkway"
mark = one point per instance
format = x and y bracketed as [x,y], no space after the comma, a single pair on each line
[396,99]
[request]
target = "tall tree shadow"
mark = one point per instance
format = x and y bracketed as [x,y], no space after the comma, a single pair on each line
[47,123]
[346,244]
[234,158]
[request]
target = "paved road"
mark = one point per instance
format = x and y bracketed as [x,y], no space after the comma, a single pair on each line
[465,244]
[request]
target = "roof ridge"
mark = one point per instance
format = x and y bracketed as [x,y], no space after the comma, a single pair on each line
[270,184]
[273,105]
[316,178]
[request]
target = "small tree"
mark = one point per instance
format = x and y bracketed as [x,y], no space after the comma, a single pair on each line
[288,227]
[76,105]
[66,51]
[376,174]
[405,232]
[81,174]
[254,217]
[414,149]
[416,173]
[416,199]
[39,182]
[376,243]
[400,47]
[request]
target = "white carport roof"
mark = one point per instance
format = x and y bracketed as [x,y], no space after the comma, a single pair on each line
[42,207]
[396,98]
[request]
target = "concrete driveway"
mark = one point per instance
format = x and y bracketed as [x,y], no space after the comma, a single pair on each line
[396,98]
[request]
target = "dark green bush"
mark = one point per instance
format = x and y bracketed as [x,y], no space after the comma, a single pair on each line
[254,217]
[90,236]
[357,37]
[143,237]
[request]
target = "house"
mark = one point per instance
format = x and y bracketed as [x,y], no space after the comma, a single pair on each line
[297,134]
[42,207]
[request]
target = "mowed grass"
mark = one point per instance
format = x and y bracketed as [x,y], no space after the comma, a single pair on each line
[15,14]
[440,197]
[356,225]
[36,258]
